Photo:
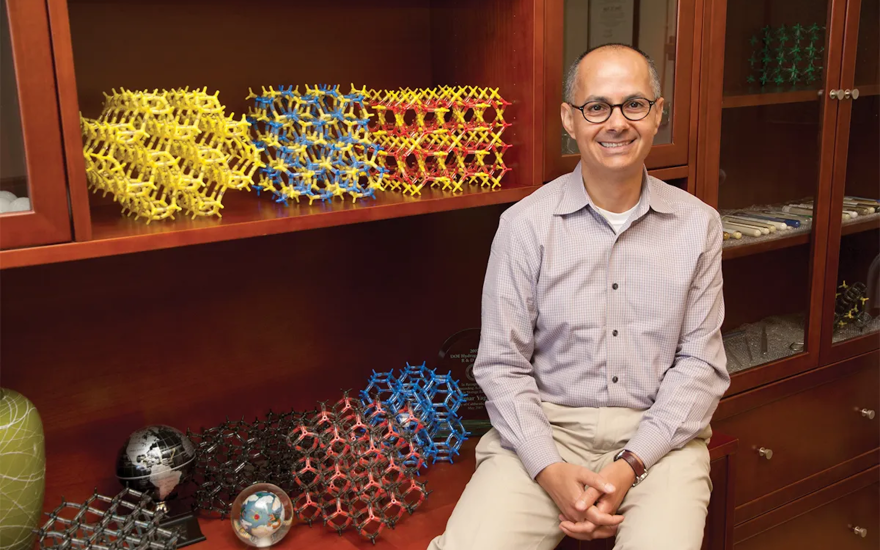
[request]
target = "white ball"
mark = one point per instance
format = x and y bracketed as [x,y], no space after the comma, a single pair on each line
[5,205]
[20,205]
[8,196]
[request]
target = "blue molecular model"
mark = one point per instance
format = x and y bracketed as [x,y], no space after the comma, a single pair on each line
[316,145]
[419,397]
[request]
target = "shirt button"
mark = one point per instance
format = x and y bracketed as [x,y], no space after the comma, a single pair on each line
[614,332]
[614,379]
[614,286]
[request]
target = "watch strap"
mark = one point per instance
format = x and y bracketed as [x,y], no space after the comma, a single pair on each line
[637,467]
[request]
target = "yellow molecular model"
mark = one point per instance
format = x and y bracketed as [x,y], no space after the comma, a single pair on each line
[164,151]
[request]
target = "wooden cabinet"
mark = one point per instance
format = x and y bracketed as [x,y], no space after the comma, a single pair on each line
[260,320]
[799,433]
[767,140]
[666,30]
[384,45]
[784,135]
[512,46]
[778,139]
[844,516]
[33,187]
[851,320]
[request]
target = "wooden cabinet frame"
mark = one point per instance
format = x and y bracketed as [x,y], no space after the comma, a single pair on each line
[829,352]
[665,155]
[708,164]
[48,220]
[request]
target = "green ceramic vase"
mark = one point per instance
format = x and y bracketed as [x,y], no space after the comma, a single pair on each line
[22,470]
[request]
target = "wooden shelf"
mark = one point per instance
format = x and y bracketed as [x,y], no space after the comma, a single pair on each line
[739,99]
[445,481]
[858,225]
[246,215]
[765,245]
[768,98]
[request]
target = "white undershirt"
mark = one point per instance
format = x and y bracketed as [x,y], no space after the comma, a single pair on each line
[616,220]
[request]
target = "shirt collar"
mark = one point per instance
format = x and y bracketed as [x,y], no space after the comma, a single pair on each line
[575,194]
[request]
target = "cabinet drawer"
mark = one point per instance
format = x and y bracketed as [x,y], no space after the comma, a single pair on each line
[830,526]
[807,432]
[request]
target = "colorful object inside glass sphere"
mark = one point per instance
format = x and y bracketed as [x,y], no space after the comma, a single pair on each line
[262,515]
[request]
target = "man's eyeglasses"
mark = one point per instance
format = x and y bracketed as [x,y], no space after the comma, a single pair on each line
[597,112]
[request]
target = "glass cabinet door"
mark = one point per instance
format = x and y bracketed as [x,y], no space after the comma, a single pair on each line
[663,29]
[33,189]
[770,168]
[13,170]
[852,306]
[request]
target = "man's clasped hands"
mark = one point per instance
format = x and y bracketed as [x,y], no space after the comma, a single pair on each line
[588,501]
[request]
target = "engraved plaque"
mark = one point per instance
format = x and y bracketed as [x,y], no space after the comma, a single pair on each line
[457,355]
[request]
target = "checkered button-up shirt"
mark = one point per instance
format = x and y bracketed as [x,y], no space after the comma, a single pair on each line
[578,315]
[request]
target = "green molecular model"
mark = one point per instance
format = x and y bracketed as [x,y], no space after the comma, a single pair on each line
[786,55]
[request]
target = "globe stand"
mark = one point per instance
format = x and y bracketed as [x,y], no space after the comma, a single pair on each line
[158,460]
[181,521]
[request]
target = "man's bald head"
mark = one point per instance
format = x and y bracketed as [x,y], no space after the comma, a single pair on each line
[571,77]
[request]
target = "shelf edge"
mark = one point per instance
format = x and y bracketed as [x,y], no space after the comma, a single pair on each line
[71,251]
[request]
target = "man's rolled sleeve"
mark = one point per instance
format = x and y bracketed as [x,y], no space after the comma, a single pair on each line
[503,367]
[698,377]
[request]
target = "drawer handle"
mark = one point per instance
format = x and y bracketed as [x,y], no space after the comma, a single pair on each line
[860,531]
[868,413]
[765,453]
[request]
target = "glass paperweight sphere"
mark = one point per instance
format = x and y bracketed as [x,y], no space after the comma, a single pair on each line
[262,515]
[156,460]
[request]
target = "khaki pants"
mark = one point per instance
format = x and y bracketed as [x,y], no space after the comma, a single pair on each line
[502,508]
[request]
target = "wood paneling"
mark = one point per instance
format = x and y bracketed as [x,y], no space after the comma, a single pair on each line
[762,285]
[230,46]
[189,336]
[867,63]
[769,155]
[498,44]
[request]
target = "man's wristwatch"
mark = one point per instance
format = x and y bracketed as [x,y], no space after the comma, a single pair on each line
[634,463]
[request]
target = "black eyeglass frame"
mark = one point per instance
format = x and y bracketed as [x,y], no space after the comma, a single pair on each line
[611,111]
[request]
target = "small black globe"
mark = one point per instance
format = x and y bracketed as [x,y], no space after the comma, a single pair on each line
[156,460]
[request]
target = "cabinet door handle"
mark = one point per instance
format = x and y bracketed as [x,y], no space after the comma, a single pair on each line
[854,93]
[860,531]
[765,453]
[836,94]
[867,413]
